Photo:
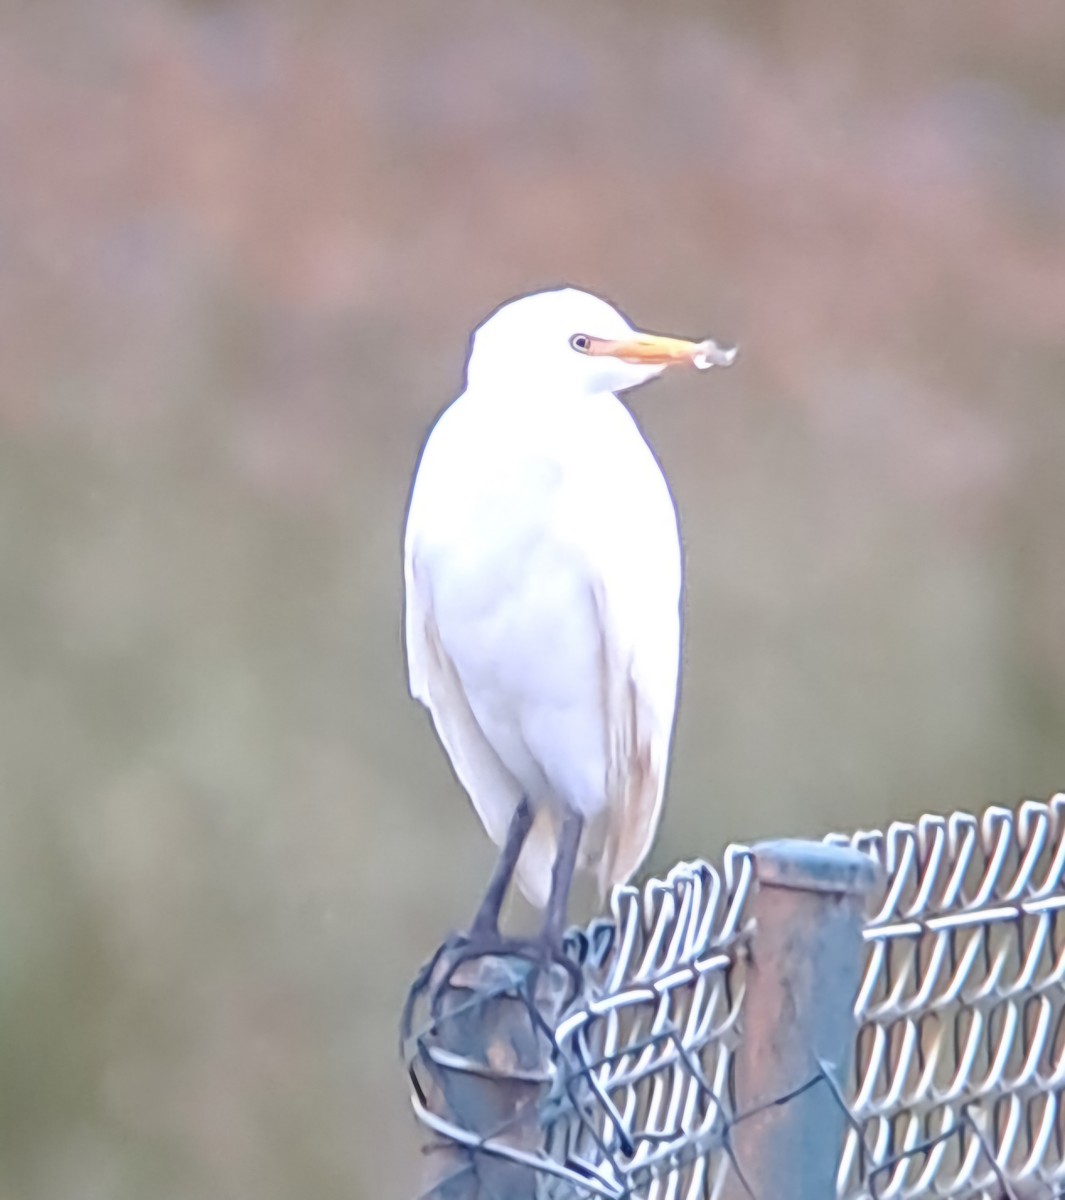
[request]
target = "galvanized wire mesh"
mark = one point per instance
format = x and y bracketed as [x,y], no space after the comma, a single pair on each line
[956,1088]
[960,1061]
[650,1049]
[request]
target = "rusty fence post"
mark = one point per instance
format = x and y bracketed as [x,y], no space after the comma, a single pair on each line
[806,961]
[482,1070]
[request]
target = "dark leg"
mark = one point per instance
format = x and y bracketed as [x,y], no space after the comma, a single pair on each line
[484,939]
[486,920]
[569,839]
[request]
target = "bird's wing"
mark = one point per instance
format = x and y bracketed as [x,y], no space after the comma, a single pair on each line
[636,588]
[492,788]
[640,663]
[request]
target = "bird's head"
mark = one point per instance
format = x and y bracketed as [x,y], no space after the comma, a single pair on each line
[569,340]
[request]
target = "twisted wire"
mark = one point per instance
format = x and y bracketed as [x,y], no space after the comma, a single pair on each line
[655,1038]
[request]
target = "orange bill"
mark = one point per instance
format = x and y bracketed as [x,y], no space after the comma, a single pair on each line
[653,349]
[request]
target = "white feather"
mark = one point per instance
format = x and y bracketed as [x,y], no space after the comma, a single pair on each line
[543,577]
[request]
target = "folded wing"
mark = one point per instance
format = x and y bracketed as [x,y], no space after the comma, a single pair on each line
[640,660]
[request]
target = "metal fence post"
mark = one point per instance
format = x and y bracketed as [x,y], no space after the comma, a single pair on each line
[805,967]
[482,1069]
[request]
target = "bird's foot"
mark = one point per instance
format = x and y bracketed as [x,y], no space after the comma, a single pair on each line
[524,961]
[535,955]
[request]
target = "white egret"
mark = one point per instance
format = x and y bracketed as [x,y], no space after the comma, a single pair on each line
[543,580]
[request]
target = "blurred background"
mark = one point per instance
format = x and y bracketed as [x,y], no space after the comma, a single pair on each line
[241,248]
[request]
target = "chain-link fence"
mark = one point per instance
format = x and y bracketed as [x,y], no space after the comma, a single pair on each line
[953,1089]
[960,1059]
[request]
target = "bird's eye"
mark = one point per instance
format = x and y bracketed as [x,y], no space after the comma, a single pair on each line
[581,342]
